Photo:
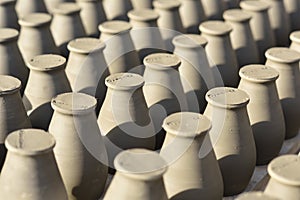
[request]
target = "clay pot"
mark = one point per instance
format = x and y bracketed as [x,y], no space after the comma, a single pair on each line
[195,72]
[141,4]
[213,9]
[124,58]
[260,25]
[87,69]
[295,41]
[124,119]
[284,182]
[92,14]
[12,112]
[80,152]
[11,60]
[264,110]
[30,170]
[8,15]
[292,7]
[280,21]
[256,196]
[47,79]
[231,4]
[232,137]
[24,8]
[51,4]
[35,36]
[169,21]
[163,90]
[191,174]
[220,52]
[146,36]
[192,14]
[117,9]
[139,172]
[66,15]
[286,62]
[241,37]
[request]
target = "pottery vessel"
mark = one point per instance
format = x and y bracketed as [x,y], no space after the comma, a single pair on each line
[231,4]
[241,37]
[145,34]
[92,14]
[295,41]
[163,90]
[280,21]
[213,9]
[219,50]
[195,73]
[117,9]
[8,14]
[286,62]
[139,172]
[66,15]
[35,36]
[47,79]
[141,4]
[284,182]
[169,20]
[264,110]
[87,69]
[232,137]
[192,14]
[30,170]
[51,4]
[292,7]
[11,60]
[12,112]
[191,174]
[256,196]
[80,152]
[124,58]
[24,8]
[124,119]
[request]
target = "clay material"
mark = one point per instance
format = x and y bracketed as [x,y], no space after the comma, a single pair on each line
[24,8]
[117,9]
[295,41]
[8,14]
[292,7]
[213,9]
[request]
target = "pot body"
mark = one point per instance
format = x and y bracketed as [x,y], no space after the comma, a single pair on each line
[292,8]
[24,8]
[8,15]
[117,9]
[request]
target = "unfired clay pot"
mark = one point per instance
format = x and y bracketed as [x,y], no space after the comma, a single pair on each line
[124,119]
[35,36]
[86,68]
[12,112]
[191,174]
[51,4]
[213,9]
[66,25]
[195,73]
[8,14]
[11,60]
[141,4]
[163,90]
[120,52]
[260,25]
[295,41]
[255,196]
[232,137]
[241,37]
[117,9]
[25,7]
[265,112]
[286,62]
[292,7]
[285,181]
[47,79]
[30,171]
[220,52]
[80,152]
[139,173]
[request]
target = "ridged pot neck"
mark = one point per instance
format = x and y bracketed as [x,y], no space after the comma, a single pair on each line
[236,15]
[67,8]
[162,61]
[35,20]
[166,4]
[74,103]
[295,36]
[30,142]
[189,41]
[285,169]
[257,6]
[227,97]
[143,15]
[258,73]
[8,34]
[255,196]
[115,27]
[215,27]
[86,45]
[124,81]
[7,2]
[186,124]
[282,55]
[47,62]
[140,164]
[9,85]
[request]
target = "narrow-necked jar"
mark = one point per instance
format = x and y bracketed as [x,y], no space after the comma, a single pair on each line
[23,7]
[117,9]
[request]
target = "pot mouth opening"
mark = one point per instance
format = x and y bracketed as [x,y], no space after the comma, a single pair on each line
[189,41]
[115,27]
[9,84]
[67,8]
[8,34]
[295,36]
[282,55]
[47,62]
[162,61]
[166,4]
[258,73]
[254,5]
[124,81]
[143,14]
[215,27]
[236,15]
[86,45]
[35,20]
